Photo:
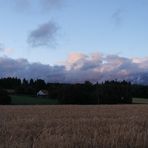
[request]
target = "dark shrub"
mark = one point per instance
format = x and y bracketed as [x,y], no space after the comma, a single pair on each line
[5,99]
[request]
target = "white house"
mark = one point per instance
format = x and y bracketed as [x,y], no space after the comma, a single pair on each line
[42,93]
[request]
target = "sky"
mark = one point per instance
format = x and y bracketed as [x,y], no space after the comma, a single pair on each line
[73,40]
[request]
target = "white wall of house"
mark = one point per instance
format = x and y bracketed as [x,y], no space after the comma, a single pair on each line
[41,93]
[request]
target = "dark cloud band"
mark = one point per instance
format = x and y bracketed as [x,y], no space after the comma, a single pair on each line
[79,68]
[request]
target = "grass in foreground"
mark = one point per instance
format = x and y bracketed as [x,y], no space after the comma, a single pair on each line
[29,100]
[119,126]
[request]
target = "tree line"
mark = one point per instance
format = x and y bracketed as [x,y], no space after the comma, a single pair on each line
[108,92]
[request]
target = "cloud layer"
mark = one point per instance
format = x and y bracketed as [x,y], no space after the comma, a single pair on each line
[78,68]
[23,69]
[44,35]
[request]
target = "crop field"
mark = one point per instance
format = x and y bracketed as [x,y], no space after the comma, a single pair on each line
[59,126]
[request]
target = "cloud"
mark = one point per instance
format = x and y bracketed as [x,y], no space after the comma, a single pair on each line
[79,67]
[81,61]
[99,67]
[22,68]
[43,35]
[117,17]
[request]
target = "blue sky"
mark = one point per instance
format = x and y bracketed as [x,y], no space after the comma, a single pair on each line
[49,31]
[85,26]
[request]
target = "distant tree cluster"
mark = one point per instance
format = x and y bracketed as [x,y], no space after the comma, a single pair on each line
[77,94]
[10,83]
[114,92]
[31,87]
[109,92]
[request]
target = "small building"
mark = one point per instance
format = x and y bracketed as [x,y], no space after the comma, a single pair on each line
[10,91]
[43,93]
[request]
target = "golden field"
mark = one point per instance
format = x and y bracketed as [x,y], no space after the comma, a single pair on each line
[102,126]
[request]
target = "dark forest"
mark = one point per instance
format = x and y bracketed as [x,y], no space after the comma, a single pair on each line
[109,92]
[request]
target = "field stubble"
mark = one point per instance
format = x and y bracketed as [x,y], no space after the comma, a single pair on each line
[120,126]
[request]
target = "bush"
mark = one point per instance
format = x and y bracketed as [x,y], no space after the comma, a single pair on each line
[5,99]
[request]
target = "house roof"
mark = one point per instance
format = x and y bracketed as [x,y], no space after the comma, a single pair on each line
[45,92]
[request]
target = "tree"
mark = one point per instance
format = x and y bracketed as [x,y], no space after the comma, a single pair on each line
[31,83]
[114,92]
[4,98]
[78,94]
[40,84]
[25,82]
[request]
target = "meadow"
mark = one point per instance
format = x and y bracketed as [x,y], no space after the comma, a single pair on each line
[140,101]
[31,100]
[74,126]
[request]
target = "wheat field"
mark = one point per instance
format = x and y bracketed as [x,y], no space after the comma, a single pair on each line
[116,126]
